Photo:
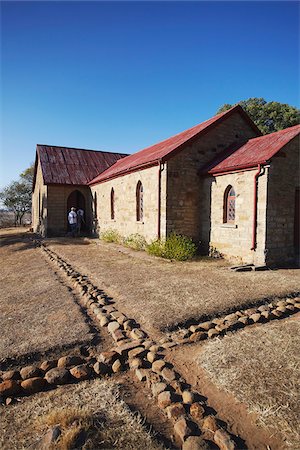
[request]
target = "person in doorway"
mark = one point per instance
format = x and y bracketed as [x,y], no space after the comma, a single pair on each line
[72,219]
[80,219]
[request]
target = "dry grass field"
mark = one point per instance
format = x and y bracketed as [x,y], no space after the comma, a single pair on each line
[159,293]
[249,378]
[260,367]
[91,411]
[37,313]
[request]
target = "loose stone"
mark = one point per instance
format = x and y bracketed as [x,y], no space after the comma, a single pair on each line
[210,423]
[175,411]
[118,335]
[138,351]
[57,376]
[136,333]
[177,386]
[263,308]
[197,411]
[188,397]
[100,368]
[164,399]
[194,328]
[113,326]
[128,325]
[198,336]
[151,356]
[212,333]
[9,388]
[81,372]
[117,366]
[135,363]
[152,378]
[290,307]
[30,372]
[108,357]
[33,385]
[157,388]
[266,315]
[255,317]
[168,374]
[244,320]
[68,361]
[158,365]
[11,375]
[104,321]
[281,309]
[206,325]
[223,440]
[195,443]
[47,365]
[148,344]
[141,374]
[183,429]
[123,349]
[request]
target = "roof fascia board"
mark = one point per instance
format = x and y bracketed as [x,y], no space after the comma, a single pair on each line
[126,172]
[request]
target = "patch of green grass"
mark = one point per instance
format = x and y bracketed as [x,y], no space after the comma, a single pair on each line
[175,246]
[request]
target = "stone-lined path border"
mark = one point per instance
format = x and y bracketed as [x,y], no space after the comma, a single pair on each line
[241,318]
[191,415]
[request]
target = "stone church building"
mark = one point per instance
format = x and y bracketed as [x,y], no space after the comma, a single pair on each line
[232,190]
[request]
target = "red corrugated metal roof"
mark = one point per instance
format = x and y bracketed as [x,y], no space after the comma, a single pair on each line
[151,155]
[62,165]
[255,151]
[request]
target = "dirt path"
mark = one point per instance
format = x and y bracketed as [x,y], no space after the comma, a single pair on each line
[161,294]
[37,312]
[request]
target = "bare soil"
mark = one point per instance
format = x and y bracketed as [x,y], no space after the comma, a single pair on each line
[160,294]
[37,312]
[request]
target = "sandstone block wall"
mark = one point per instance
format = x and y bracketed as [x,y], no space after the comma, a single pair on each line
[234,241]
[284,179]
[188,194]
[125,203]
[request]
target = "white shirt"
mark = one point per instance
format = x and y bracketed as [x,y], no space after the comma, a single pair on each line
[72,217]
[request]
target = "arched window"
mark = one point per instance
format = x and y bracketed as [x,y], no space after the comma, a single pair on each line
[229,205]
[112,204]
[139,202]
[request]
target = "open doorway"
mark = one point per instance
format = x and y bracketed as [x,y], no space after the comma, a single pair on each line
[76,200]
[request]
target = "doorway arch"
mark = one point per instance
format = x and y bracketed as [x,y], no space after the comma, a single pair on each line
[77,200]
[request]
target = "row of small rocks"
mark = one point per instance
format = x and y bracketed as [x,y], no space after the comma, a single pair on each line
[276,309]
[51,373]
[135,350]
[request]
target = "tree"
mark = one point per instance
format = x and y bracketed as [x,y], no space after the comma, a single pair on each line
[16,196]
[268,116]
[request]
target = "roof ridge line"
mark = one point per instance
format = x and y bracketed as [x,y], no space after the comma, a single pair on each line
[82,149]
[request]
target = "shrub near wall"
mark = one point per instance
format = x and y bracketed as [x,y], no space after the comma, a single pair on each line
[175,246]
[111,235]
[135,241]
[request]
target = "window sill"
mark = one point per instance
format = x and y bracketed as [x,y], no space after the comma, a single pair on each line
[228,225]
[139,222]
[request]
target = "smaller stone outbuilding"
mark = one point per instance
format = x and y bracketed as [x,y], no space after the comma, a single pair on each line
[61,181]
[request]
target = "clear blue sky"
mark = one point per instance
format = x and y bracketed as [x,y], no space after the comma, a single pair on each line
[121,76]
